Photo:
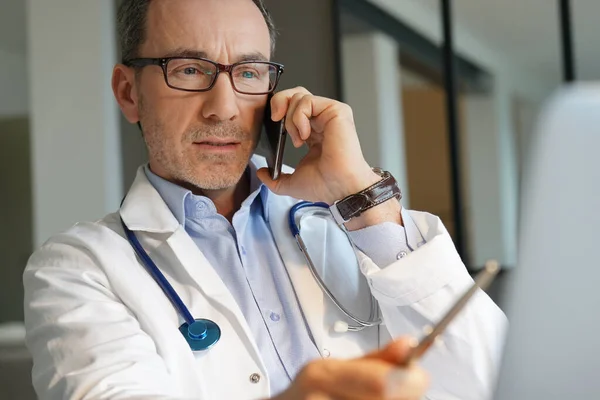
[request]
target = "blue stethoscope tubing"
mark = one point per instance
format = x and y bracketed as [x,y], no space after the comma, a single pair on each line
[360,324]
[200,334]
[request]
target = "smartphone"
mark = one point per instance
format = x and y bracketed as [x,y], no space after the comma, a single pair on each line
[275,141]
[482,281]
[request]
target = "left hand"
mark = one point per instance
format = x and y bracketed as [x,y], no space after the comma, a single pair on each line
[334,166]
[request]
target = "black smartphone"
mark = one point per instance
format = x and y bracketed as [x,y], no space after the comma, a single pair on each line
[276,135]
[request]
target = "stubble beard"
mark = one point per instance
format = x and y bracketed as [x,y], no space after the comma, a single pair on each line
[187,166]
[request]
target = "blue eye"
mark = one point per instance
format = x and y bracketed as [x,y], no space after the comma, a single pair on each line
[190,71]
[248,74]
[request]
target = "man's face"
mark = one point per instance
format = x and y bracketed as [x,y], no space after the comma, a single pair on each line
[185,132]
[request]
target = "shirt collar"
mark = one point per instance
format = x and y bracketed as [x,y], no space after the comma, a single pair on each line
[176,196]
[256,184]
[172,194]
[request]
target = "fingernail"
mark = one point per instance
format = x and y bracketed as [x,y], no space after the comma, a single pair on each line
[412,341]
[395,382]
[400,383]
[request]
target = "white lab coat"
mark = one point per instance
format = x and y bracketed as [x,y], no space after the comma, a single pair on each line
[99,327]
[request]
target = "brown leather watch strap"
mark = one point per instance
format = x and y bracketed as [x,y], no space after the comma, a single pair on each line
[355,204]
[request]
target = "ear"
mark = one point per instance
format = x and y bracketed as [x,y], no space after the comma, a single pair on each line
[126,92]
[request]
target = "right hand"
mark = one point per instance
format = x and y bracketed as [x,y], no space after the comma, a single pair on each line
[378,375]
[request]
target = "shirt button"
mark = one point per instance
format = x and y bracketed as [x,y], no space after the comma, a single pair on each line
[275,317]
[255,378]
[400,255]
[243,250]
[326,353]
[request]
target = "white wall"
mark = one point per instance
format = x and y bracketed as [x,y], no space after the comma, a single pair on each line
[482,180]
[508,169]
[75,140]
[371,81]
[13,84]
[13,66]
[526,114]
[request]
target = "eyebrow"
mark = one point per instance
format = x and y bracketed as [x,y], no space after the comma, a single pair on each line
[183,52]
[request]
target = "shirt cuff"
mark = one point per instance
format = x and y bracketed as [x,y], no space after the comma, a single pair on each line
[388,242]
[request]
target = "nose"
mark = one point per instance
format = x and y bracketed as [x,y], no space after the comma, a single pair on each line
[221,101]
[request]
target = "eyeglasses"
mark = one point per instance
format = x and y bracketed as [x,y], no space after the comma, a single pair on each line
[194,74]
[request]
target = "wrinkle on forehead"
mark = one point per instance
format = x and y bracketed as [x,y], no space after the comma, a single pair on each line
[222,29]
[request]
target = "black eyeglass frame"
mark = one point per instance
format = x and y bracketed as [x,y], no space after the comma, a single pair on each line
[163,62]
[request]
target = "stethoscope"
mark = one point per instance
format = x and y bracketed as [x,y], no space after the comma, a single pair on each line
[202,334]
[294,223]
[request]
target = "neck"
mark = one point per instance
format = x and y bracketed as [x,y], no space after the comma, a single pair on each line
[228,201]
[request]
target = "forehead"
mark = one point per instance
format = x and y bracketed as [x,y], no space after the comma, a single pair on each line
[219,28]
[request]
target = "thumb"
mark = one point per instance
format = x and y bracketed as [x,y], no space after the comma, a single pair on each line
[395,352]
[279,186]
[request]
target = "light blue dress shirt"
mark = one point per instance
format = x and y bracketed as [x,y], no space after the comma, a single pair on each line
[245,256]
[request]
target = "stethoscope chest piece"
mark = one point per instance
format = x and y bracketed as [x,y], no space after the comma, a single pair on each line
[202,334]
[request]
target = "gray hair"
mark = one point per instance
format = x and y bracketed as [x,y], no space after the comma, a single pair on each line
[131,25]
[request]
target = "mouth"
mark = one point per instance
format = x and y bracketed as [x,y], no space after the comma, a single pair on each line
[213,144]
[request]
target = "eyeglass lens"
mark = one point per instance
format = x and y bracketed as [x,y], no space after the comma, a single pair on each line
[247,77]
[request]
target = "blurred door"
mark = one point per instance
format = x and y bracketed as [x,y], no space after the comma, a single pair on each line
[428,152]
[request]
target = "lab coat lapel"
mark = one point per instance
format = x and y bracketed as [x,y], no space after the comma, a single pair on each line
[144,211]
[209,282]
[310,296]
[198,267]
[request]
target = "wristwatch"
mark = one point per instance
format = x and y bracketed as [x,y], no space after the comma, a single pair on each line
[354,205]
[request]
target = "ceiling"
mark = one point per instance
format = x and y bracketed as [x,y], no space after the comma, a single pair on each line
[526,31]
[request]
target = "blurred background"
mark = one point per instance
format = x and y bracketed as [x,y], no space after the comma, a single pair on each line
[66,153]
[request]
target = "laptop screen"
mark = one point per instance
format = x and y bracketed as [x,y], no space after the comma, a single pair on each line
[553,302]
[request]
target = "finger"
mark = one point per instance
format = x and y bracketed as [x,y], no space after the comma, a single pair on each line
[395,352]
[291,127]
[279,186]
[318,396]
[302,115]
[406,384]
[281,101]
[359,379]
[323,109]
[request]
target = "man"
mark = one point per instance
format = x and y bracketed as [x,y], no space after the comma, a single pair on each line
[195,76]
